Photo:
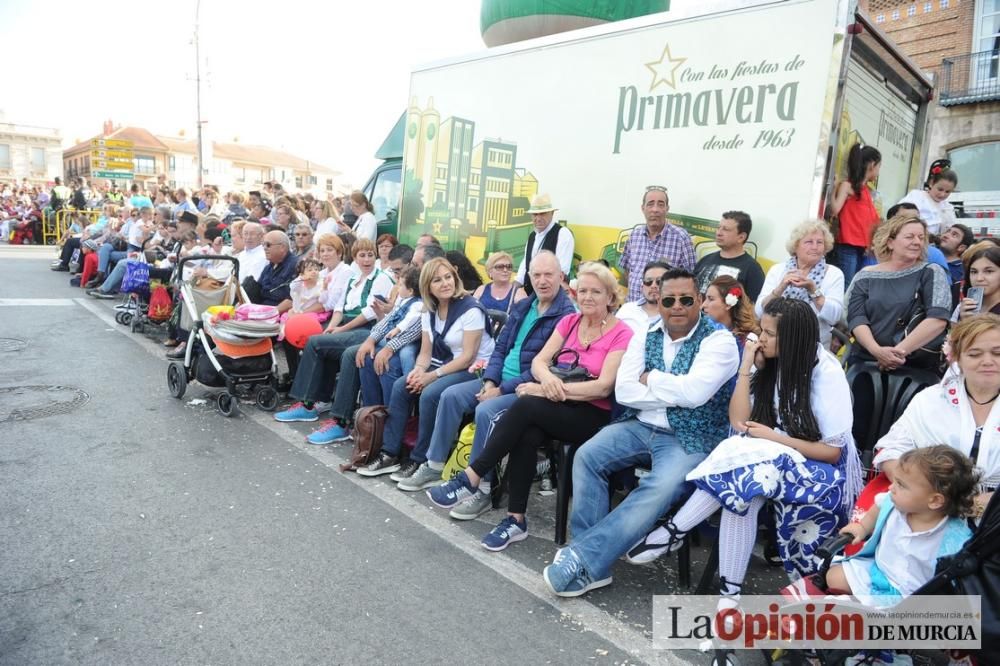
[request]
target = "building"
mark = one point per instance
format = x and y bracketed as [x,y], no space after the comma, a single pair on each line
[29,152]
[958,43]
[230,166]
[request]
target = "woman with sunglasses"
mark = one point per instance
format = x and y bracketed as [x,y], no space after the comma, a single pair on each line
[795,449]
[642,314]
[500,293]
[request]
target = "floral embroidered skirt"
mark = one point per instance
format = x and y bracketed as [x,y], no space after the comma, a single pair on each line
[806,497]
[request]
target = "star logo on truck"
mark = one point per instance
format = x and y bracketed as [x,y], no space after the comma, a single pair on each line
[665,69]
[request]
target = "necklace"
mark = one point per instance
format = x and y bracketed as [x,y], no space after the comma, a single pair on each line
[976,401]
[587,340]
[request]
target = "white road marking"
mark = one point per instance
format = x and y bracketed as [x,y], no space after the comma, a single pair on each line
[590,617]
[36,302]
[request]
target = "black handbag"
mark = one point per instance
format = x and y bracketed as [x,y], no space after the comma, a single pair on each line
[929,355]
[573,372]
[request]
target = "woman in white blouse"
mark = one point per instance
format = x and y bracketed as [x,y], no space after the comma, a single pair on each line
[366,225]
[807,277]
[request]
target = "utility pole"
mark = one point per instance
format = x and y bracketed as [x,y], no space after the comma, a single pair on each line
[197,79]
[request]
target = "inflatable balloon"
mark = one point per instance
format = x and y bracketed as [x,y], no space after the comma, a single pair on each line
[299,327]
[506,21]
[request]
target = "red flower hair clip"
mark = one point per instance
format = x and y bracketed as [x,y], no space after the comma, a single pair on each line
[733,296]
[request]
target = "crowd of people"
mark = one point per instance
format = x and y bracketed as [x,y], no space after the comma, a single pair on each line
[720,379]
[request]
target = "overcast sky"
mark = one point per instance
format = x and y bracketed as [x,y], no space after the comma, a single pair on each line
[323,80]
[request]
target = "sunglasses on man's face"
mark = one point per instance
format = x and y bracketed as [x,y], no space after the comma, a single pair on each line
[686,301]
[649,282]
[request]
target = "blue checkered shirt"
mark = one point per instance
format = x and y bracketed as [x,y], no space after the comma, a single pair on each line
[672,245]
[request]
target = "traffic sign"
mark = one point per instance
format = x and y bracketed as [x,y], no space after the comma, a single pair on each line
[112,154]
[112,143]
[111,164]
[113,175]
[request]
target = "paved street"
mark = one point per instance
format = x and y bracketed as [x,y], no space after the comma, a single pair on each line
[136,528]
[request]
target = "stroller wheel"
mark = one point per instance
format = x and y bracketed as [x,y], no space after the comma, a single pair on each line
[126,318]
[176,379]
[227,404]
[267,398]
[118,318]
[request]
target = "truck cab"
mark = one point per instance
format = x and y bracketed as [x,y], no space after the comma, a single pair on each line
[384,186]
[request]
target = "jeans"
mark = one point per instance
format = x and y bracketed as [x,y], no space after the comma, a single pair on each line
[850,260]
[377,389]
[600,537]
[348,384]
[399,412]
[455,404]
[105,255]
[113,282]
[320,363]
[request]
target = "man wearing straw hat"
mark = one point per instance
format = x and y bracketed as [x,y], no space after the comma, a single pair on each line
[547,235]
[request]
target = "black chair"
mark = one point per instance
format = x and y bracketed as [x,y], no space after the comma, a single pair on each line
[497,320]
[889,393]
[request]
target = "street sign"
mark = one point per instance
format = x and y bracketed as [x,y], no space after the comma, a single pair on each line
[113,175]
[112,143]
[111,164]
[97,154]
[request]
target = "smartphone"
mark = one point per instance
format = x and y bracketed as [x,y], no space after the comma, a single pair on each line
[380,297]
[976,294]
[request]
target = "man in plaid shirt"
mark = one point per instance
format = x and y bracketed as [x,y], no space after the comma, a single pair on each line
[657,240]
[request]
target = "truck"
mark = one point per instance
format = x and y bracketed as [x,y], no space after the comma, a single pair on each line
[747,106]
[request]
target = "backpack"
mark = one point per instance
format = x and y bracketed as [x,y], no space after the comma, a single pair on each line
[369,423]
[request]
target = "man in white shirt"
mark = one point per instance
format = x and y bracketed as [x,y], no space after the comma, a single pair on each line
[252,259]
[675,380]
[547,235]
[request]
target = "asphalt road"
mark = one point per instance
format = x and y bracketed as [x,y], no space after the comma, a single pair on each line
[135,528]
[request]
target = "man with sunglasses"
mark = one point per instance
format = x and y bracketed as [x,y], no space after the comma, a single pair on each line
[644,313]
[279,272]
[657,240]
[674,381]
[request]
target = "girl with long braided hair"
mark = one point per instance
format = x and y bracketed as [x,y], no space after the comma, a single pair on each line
[791,412]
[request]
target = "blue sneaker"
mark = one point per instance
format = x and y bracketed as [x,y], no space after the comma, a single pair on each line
[329,432]
[567,577]
[455,491]
[507,532]
[297,412]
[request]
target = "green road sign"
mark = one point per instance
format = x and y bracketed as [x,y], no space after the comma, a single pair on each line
[114,175]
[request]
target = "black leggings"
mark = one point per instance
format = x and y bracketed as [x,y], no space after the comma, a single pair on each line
[528,424]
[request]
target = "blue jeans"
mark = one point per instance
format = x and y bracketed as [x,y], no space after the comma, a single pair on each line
[600,537]
[377,389]
[399,411]
[113,282]
[455,404]
[850,260]
[320,363]
[105,255]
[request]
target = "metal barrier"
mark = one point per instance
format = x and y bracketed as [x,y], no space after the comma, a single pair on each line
[54,225]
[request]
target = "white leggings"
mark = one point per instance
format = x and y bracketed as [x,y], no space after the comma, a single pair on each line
[736,533]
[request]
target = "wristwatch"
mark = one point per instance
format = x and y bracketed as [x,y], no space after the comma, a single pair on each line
[816,294]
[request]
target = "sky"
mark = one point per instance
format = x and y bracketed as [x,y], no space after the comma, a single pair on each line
[323,80]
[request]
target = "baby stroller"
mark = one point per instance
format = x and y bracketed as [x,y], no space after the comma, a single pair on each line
[236,355]
[974,570]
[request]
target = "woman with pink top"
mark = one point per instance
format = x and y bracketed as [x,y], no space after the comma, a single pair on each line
[550,408]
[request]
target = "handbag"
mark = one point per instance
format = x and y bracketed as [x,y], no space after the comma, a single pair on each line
[574,372]
[136,279]
[929,355]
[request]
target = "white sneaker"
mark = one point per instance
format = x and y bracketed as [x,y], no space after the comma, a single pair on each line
[473,507]
[321,407]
